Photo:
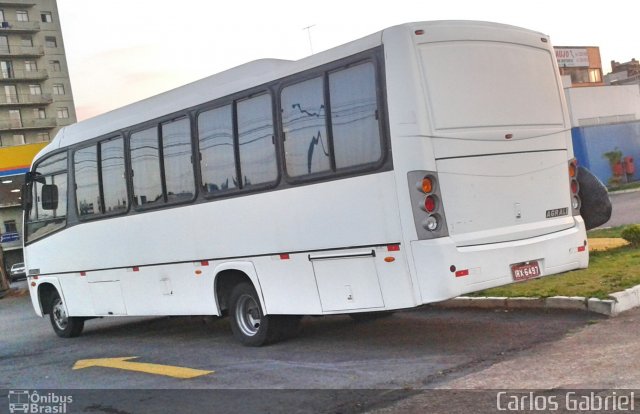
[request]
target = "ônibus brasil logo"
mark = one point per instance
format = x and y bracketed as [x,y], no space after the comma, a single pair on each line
[32,402]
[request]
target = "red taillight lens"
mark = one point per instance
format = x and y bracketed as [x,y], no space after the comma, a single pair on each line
[574,186]
[430,204]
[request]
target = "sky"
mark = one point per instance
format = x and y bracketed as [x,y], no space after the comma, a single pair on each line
[122,51]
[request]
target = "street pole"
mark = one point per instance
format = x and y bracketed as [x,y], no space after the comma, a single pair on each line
[4,280]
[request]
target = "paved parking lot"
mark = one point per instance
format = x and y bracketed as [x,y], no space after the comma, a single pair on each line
[411,350]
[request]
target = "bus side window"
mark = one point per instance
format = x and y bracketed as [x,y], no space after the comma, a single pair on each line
[112,168]
[145,163]
[304,123]
[354,121]
[256,141]
[85,167]
[218,165]
[176,154]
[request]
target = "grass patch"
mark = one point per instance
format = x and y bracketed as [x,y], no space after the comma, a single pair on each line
[609,271]
[627,186]
[608,233]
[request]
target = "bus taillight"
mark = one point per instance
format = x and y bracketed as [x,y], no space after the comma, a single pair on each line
[427,185]
[430,204]
[574,186]
[428,211]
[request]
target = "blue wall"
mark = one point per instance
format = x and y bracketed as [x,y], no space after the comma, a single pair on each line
[589,143]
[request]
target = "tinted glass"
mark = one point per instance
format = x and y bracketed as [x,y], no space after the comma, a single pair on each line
[255,133]
[178,169]
[218,165]
[356,134]
[114,186]
[85,166]
[145,163]
[305,130]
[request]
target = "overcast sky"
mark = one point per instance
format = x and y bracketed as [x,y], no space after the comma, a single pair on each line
[121,51]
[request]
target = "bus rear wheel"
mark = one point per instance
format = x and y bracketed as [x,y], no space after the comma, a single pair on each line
[64,326]
[249,324]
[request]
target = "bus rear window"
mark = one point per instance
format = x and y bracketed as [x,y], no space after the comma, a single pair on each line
[475,84]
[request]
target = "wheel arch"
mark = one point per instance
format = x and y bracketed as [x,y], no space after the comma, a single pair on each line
[230,274]
[46,292]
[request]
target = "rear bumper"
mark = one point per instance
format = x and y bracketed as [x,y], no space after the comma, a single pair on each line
[489,265]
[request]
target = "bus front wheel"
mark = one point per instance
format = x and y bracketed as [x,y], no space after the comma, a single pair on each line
[64,326]
[249,324]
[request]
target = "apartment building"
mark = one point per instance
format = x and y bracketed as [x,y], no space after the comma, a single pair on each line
[35,102]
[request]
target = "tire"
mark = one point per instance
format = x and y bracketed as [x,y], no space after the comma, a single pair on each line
[63,325]
[369,316]
[250,325]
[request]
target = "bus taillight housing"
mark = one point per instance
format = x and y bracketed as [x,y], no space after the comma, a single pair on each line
[426,204]
[574,187]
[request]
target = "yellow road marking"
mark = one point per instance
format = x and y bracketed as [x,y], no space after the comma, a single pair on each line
[157,369]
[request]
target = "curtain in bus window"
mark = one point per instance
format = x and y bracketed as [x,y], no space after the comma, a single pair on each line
[114,186]
[255,136]
[85,164]
[178,169]
[305,131]
[218,165]
[356,135]
[145,162]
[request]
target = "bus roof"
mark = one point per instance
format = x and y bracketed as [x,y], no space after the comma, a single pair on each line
[231,81]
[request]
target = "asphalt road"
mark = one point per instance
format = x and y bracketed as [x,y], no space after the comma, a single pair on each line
[334,365]
[626,209]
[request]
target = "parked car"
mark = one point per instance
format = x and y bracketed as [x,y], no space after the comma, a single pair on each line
[18,271]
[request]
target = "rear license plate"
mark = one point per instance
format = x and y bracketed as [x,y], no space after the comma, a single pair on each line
[524,271]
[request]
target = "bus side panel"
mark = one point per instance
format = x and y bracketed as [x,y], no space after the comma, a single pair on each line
[288,284]
[172,289]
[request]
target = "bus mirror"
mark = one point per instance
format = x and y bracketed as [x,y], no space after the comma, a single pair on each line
[31,177]
[27,198]
[49,197]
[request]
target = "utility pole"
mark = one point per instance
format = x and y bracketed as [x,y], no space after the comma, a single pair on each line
[4,280]
[308,29]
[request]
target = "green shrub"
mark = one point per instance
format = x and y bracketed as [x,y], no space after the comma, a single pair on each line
[632,234]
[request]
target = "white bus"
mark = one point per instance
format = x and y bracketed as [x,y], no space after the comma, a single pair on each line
[411,166]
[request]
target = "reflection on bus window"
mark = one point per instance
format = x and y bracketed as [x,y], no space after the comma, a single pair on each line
[255,135]
[178,170]
[41,222]
[218,165]
[112,167]
[85,163]
[356,134]
[145,163]
[305,130]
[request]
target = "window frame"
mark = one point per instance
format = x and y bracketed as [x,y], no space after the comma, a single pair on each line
[98,144]
[58,89]
[157,124]
[22,16]
[371,56]
[233,100]
[68,219]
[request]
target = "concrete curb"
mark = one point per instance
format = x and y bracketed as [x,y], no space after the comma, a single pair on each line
[618,302]
[631,190]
